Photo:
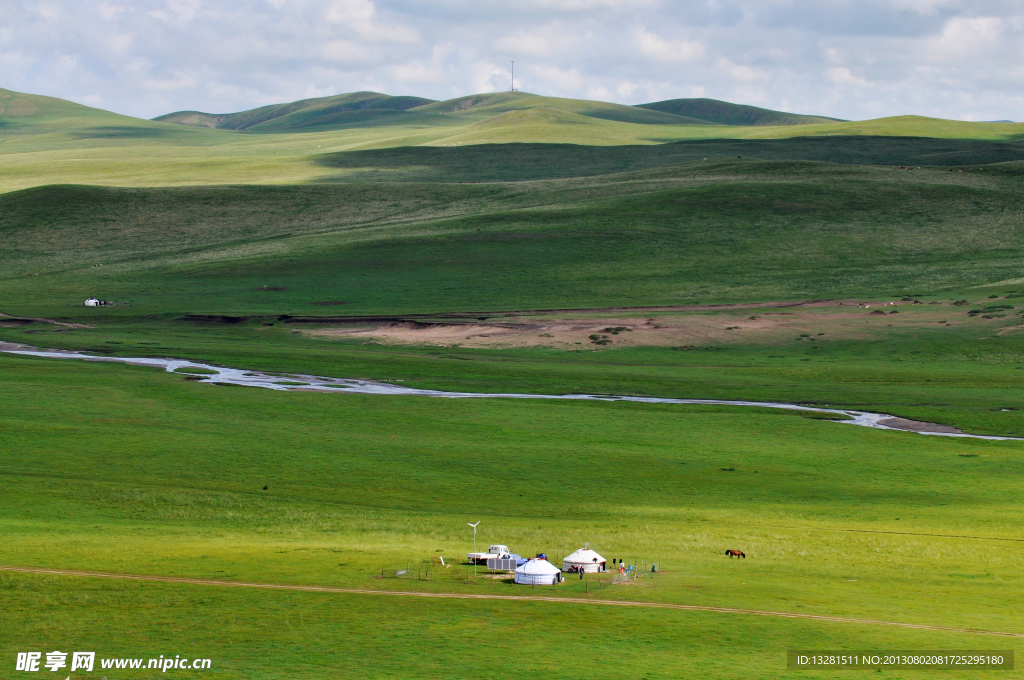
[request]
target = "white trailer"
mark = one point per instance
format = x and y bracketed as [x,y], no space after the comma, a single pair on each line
[493,552]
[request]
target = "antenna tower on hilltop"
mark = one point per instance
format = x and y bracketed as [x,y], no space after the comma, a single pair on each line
[513,88]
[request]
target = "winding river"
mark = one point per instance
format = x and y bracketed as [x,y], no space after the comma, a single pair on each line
[298,382]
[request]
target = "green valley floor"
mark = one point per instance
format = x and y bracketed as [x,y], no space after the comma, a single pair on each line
[129,470]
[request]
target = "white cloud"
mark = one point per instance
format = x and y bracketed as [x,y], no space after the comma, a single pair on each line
[109,12]
[177,11]
[49,11]
[659,49]
[580,5]
[741,72]
[556,79]
[841,75]
[625,90]
[834,56]
[177,81]
[357,12]
[964,36]
[531,45]
[417,72]
[344,52]
[846,58]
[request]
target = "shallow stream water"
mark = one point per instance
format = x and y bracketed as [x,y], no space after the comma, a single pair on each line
[300,382]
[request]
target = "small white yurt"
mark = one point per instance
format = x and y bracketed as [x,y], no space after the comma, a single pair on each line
[538,573]
[92,302]
[586,559]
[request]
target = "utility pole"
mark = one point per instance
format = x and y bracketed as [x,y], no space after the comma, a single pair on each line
[474,545]
[513,88]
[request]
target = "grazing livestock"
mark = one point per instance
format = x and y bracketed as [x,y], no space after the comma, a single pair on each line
[736,553]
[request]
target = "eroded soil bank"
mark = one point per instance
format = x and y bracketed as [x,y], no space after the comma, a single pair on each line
[811,321]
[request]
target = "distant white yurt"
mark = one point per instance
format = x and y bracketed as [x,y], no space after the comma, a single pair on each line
[586,558]
[538,573]
[92,302]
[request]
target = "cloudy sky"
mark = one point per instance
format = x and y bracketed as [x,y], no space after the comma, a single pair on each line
[852,59]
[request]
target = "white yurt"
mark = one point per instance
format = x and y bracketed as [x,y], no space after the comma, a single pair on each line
[586,558]
[92,302]
[538,573]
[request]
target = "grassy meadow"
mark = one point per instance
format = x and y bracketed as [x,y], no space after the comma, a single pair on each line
[166,476]
[249,240]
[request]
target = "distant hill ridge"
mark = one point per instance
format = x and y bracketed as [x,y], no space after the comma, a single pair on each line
[20,111]
[365,107]
[724,113]
[305,113]
[30,123]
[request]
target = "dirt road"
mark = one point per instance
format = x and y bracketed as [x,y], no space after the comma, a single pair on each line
[515,598]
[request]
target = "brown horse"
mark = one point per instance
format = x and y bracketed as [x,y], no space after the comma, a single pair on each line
[736,553]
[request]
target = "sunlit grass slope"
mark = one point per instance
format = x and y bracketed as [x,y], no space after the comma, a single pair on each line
[23,114]
[51,141]
[481,106]
[306,114]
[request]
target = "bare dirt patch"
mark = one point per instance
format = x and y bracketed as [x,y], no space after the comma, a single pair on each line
[24,320]
[810,323]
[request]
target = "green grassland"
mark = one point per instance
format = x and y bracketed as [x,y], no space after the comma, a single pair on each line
[123,469]
[234,238]
[726,230]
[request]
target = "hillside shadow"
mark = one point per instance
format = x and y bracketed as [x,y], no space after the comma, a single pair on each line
[126,132]
[523,162]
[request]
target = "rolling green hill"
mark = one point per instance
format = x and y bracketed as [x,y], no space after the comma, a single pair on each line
[725,113]
[338,111]
[717,230]
[23,115]
[376,109]
[385,221]
[304,114]
[50,141]
[484,106]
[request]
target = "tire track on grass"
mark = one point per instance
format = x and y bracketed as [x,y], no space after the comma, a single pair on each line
[507,598]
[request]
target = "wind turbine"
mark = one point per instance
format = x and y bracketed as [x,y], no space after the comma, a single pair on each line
[474,544]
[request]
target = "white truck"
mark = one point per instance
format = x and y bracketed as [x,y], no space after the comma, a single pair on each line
[493,552]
